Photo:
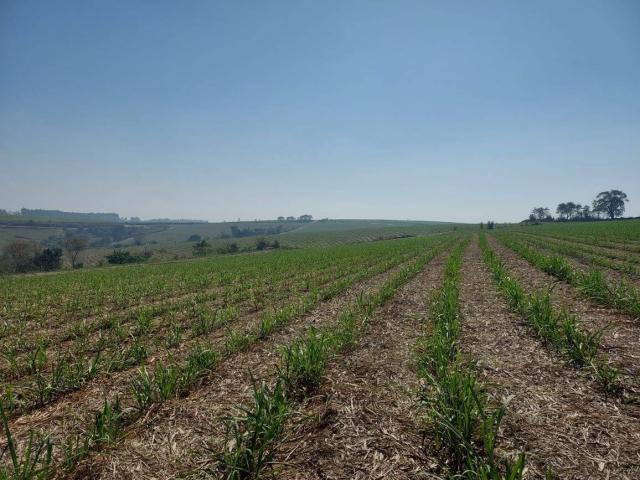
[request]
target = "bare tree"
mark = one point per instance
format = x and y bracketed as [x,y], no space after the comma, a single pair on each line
[74,245]
[18,256]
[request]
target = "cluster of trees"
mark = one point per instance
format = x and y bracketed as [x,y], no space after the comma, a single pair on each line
[263,244]
[609,204]
[22,256]
[301,218]
[228,248]
[203,248]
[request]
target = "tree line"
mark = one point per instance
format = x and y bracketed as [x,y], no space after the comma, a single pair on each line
[204,248]
[609,204]
[23,256]
[301,218]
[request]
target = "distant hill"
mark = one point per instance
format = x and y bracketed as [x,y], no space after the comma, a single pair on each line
[333,225]
[175,240]
[42,216]
[59,215]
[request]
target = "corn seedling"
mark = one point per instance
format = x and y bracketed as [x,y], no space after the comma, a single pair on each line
[253,432]
[35,461]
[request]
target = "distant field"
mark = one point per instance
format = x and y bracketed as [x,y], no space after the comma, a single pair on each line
[170,242]
[9,234]
[357,224]
[178,233]
[340,233]
[615,230]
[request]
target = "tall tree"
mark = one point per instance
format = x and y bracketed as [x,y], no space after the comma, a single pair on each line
[74,244]
[610,203]
[562,211]
[540,213]
[575,210]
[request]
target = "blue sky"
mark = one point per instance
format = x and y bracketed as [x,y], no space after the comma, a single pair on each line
[462,111]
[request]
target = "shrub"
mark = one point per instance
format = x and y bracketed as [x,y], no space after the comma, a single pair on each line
[228,248]
[120,257]
[261,243]
[201,248]
[49,259]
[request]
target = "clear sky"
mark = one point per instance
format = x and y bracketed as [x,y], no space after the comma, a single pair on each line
[446,110]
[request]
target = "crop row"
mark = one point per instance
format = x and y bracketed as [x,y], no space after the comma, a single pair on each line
[616,234]
[459,416]
[46,301]
[167,321]
[176,378]
[303,273]
[77,294]
[253,435]
[589,255]
[620,295]
[557,328]
[591,245]
[253,288]
[113,354]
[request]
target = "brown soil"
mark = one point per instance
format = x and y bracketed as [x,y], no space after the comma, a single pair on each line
[364,421]
[621,340]
[555,413]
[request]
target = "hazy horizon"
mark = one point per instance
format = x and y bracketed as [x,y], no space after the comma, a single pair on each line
[450,111]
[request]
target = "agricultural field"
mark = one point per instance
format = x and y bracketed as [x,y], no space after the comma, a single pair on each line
[173,241]
[387,351]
